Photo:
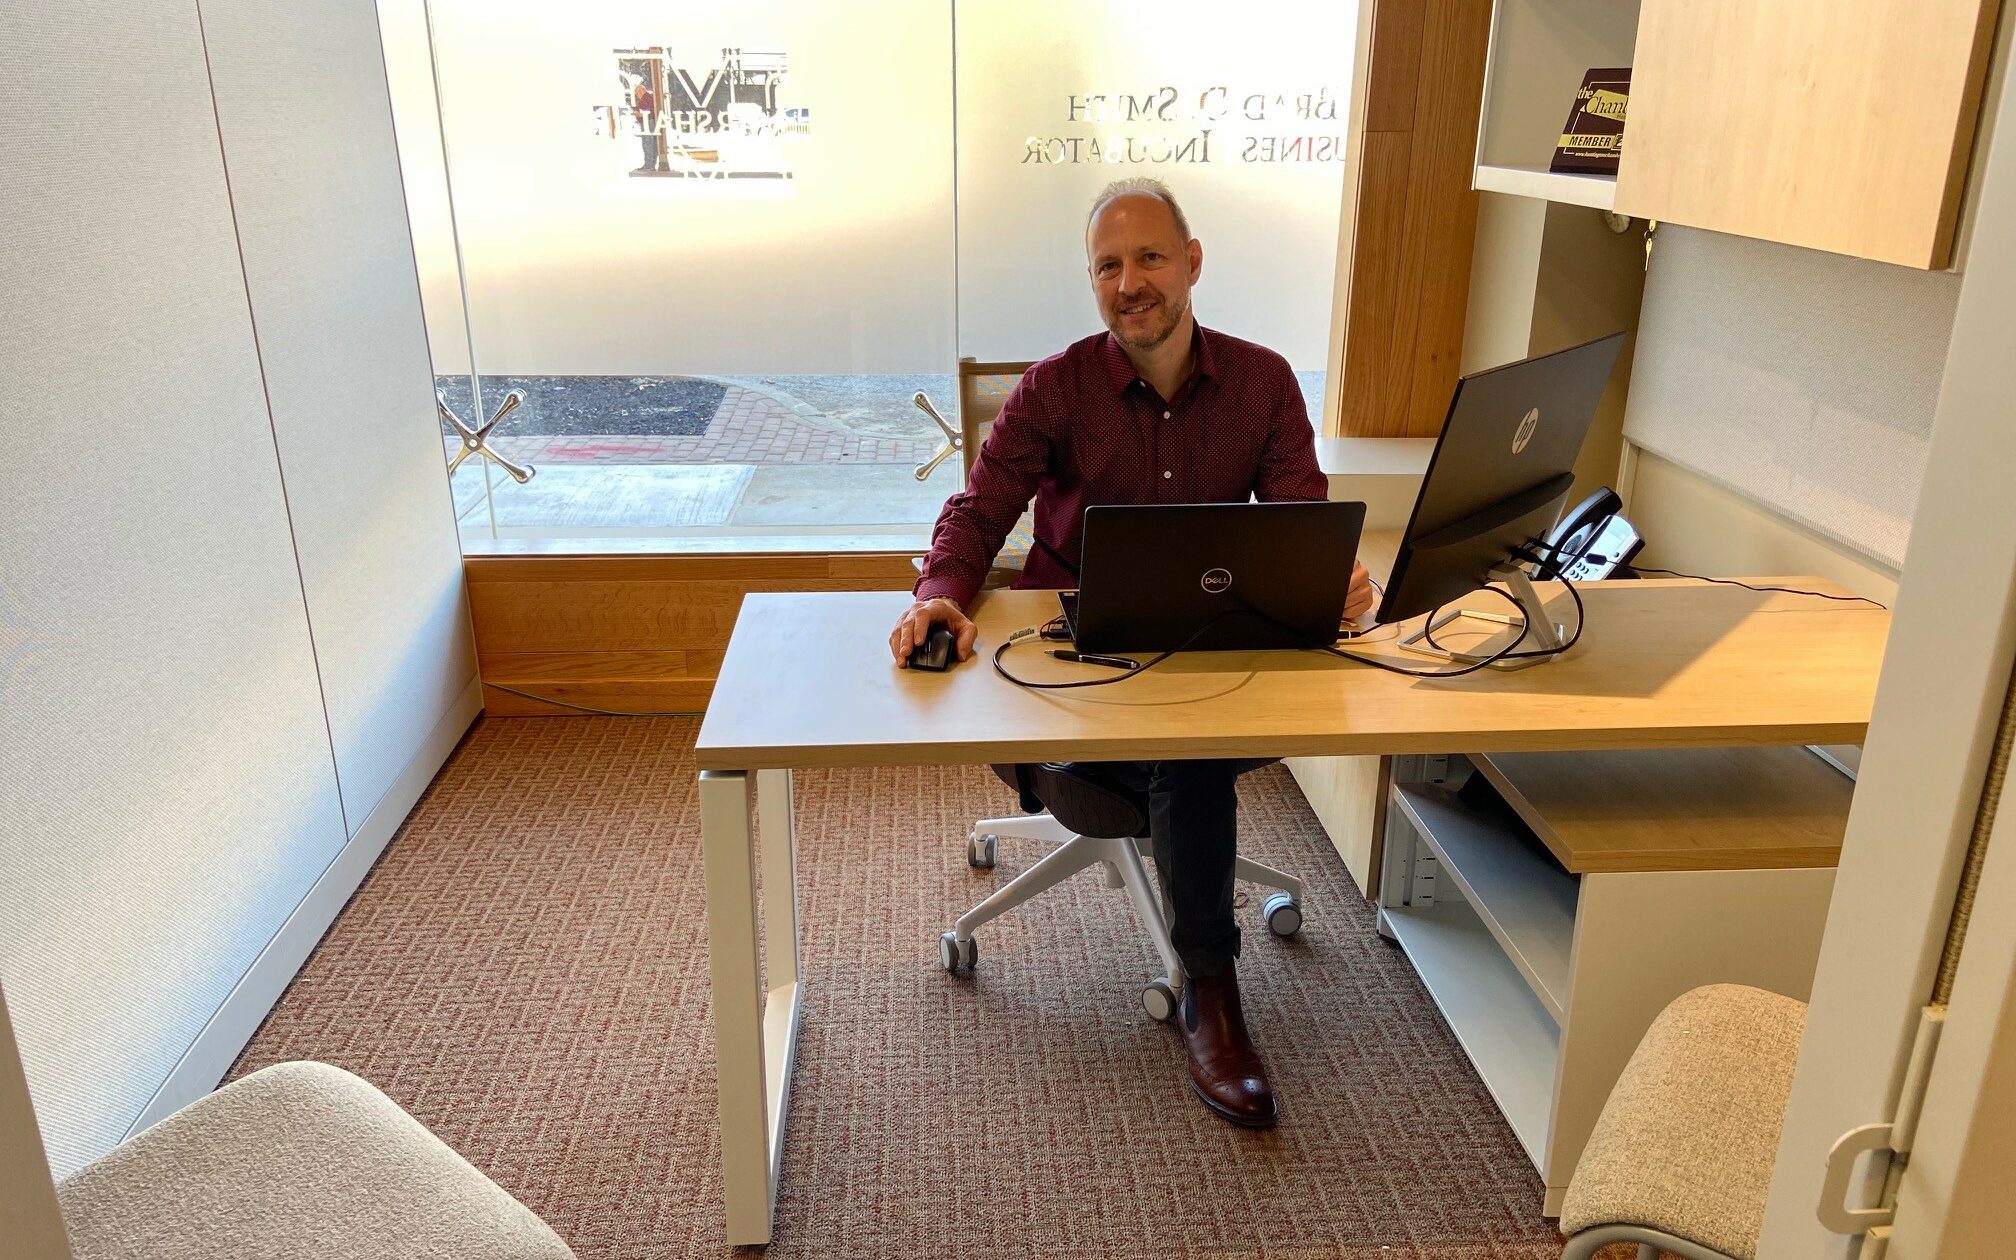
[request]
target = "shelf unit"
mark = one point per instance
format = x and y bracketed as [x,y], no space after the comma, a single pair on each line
[1539,51]
[1500,1025]
[1594,191]
[1522,897]
[1550,934]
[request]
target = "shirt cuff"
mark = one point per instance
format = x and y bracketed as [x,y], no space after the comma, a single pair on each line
[953,589]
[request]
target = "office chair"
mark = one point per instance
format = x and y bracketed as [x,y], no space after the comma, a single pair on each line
[1680,1160]
[983,389]
[1092,817]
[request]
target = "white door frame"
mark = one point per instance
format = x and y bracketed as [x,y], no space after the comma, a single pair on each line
[1945,676]
[1953,1198]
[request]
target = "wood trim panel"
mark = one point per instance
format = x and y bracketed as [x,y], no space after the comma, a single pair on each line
[1415,217]
[632,634]
[1394,75]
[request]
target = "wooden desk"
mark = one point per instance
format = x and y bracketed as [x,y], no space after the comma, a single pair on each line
[807,682]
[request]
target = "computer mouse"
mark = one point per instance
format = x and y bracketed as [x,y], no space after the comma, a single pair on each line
[938,651]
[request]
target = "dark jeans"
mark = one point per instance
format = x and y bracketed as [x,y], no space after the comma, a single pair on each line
[1193,815]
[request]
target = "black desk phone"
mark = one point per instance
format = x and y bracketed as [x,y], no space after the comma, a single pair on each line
[1592,541]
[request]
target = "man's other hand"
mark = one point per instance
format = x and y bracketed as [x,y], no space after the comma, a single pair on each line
[914,626]
[1358,600]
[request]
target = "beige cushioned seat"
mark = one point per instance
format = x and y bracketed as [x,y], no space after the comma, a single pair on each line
[299,1160]
[1686,1141]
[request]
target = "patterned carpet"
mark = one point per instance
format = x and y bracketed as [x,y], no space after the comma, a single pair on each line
[525,970]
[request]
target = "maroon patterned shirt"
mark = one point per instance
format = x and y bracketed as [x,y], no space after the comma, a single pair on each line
[1082,429]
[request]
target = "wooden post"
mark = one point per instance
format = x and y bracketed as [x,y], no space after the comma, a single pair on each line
[1414,217]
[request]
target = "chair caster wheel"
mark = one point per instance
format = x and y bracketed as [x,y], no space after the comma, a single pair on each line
[1284,917]
[1159,1000]
[958,955]
[980,851]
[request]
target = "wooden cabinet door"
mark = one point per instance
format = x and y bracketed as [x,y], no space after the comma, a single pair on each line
[1842,125]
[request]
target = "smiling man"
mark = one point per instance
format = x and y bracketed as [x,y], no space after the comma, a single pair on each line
[1155,410]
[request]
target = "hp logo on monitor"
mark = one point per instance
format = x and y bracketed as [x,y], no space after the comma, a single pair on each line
[1527,423]
[1216,581]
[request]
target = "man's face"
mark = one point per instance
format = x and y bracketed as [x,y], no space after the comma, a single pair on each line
[1141,269]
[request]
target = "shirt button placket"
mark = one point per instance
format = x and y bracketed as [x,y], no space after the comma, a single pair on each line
[1167,474]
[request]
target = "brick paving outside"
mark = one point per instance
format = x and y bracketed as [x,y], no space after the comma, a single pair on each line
[752,426]
[749,427]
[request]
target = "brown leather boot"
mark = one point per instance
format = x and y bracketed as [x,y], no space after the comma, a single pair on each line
[1225,1069]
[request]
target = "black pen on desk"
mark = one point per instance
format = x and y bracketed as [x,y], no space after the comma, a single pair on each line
[1088,658]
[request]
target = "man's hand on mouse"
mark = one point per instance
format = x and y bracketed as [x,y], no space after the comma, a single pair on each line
[914,626]
[1358,600]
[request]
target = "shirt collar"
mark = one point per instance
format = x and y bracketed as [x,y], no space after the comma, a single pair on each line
[1120,368]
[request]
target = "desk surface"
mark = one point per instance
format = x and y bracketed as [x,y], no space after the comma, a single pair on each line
[807,681]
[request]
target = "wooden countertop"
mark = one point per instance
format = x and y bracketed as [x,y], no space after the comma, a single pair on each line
[807,681]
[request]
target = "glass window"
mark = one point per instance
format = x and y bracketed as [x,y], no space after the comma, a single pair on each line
[717,256]
[1241,110]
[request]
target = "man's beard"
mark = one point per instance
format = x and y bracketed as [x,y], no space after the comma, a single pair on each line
[1158,336]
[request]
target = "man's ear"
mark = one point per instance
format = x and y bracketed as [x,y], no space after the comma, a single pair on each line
[1196,260]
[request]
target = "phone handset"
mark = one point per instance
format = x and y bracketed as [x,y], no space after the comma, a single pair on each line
[1592,541]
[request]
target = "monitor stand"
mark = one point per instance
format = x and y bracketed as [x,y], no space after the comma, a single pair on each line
[1546,633]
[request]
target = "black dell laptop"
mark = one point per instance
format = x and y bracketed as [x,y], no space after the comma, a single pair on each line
[1213,577]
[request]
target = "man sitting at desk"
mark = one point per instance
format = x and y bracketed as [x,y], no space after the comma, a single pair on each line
[1156,410]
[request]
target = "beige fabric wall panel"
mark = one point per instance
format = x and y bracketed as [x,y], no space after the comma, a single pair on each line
[1803,380]
[314,174]
[167,792]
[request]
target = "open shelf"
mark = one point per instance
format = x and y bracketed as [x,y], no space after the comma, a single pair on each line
[1540,50]
[1499,1023]
[1595,191]
[1521,896]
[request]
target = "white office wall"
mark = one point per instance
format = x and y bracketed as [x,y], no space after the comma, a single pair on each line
[1802,380]
[231,604]
[307,130]
[167,792]
[1693,524]
[423,165]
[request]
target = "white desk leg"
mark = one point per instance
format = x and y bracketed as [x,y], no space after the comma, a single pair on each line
[755,1033]
[778,839]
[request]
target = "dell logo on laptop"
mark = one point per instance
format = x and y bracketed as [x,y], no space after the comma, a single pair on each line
[1216,581]
[1524,434]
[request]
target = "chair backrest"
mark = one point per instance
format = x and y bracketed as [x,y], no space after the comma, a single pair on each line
[1087,798]
[983,387]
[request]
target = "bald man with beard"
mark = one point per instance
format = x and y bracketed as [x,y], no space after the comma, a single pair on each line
[1157,409]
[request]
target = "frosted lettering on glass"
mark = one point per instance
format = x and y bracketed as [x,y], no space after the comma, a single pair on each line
[1242,112]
